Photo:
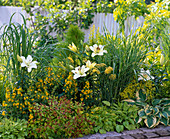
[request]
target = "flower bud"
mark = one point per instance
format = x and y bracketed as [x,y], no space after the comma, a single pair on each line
[19,58]
[162,59]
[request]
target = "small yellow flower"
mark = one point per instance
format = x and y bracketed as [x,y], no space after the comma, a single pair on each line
[31,116]
[3,113]
[108,70]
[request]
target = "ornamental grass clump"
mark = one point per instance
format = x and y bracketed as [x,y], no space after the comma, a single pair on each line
[61,118]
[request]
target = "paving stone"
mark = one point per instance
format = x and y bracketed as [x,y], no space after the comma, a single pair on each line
[168,137]
[116,137]
[137,131]
[167,128]
[163,133]
[127,137]
[138,136]
[113,134]
[147,130]
[151,135]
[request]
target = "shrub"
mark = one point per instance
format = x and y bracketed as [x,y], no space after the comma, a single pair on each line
[13,129]
[75,35]
[61,118]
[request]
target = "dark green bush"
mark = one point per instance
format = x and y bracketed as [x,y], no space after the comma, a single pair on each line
[75,35]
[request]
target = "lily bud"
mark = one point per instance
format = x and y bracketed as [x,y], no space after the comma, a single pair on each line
[19,58]
[72,47]
[87,48]
[162,59]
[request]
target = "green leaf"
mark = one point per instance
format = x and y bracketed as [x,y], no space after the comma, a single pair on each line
[150,121]
[119,128]
[107,103]
[167,110]
[164,114]
[141,113]
[164,121]
[102,131]
[126,124]
[155,111]
[156,101]
[142,96]
[148,111]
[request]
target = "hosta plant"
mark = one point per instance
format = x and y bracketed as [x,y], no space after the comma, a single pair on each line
[154,113]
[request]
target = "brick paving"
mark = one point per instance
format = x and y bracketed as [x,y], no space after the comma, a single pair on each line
[161,132]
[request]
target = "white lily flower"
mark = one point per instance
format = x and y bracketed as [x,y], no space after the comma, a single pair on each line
[97,50]
[80,72]
[145,75]
[28,63]
[90,65]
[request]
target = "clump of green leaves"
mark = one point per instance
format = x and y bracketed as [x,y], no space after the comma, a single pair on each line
[61,118]
[152,114]
[116,117]
[104,119]
[125,115]
[13,130]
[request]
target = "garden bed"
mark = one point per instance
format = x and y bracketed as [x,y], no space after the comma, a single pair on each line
[60,86]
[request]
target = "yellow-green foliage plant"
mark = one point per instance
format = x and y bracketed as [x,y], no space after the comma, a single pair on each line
[9,128]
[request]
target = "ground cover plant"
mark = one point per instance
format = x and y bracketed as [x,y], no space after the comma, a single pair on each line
[63,87]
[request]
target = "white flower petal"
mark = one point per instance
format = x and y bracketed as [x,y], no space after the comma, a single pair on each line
[76,76]
[32,65]
[23,58]
[29,58]
[92,48]
[93,54]
[29,69]
[104,51]
[23,65]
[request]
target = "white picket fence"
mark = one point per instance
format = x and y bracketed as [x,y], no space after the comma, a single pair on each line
[100,20]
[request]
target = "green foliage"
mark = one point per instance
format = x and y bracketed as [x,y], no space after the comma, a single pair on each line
[152,114]
[113,117]
[60,118]
[125,115]
[104,119]
[13,130]
[75,35]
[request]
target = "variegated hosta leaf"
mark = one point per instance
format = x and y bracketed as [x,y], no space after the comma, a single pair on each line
[138,119]
[129,100]
[166,101]
[148,110]
[155,110]
[159,115]
[141,113]
[164,114]
[167,109]
[142,96]
[156,101]
[157,122]
[164,121]
[150,121]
